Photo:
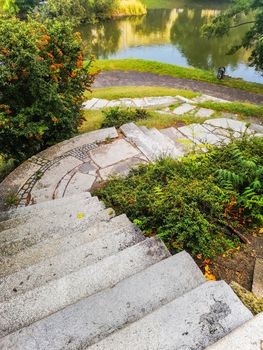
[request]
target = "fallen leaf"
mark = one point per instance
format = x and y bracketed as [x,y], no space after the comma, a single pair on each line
[81,216]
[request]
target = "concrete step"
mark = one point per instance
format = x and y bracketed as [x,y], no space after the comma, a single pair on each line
[151,149]
[66,211]
[194,321]
[249,336]
[93,318]
[63,264]
[169,147]
[143,129]
[56,295]
[52,247]
[36,208]
[182,142]
[28,235]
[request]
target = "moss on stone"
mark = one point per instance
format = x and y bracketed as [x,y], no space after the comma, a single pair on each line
[254,304]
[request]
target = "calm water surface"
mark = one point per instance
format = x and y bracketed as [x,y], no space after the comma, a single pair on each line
[172,34]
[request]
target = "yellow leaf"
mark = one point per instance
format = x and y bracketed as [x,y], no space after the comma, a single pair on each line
[81,216]
[206,268]
[261,230]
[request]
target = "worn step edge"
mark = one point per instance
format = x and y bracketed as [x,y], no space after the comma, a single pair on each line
[169,147]
[75,259]
[249,336]
[96,317]
[56,295]
[52,247]
[193,321]
[46,214]
[143,142]
[20,211]
[181,141]
[33,235]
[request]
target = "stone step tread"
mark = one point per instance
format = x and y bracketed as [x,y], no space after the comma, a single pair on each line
[193,321]
[168,145]
[200,135]
[144,129]
[246,337]
[93,318]
[28,236]
[52,247]
[63,264]
[66,211]
[181,141]
[20,211]
[146,145]
[41,222]
[56,295]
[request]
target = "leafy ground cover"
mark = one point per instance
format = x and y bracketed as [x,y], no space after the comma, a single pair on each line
[175,71]
[203,203]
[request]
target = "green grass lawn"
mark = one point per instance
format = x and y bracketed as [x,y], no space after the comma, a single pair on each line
[175,71]
[113,93]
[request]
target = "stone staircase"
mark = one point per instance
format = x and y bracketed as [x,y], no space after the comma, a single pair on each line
[175,142]
[75,276]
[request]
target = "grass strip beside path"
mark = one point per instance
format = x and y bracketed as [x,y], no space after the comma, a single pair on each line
[175,71]
[114,93]
[243,109]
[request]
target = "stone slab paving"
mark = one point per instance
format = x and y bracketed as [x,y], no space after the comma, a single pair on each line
[122,168]
[204,113]
[200,135]
[146,102]
[227,123]
[184,108]
[257,287]
[76,165]
[113,153]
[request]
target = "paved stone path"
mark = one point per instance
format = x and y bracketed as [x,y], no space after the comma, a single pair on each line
[133,78]
[79,164]
[153,102]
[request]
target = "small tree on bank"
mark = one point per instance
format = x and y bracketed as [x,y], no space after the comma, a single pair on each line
[240,13]
[42,81]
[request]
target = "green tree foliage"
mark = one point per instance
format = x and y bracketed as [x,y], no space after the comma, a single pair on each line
[239,14]
[42,79]
[78,10]
[14,7]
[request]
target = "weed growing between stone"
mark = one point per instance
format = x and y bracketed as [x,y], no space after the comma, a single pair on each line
[198,203]
[118,116]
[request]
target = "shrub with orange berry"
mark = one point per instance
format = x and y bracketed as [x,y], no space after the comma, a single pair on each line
[42,81]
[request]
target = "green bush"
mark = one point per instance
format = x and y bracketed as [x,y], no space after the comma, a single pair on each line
[185,202]
[42,80]
[117,116]
[78,10]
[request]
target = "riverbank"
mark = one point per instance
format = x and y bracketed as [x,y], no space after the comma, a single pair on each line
[162,69]
[128,8]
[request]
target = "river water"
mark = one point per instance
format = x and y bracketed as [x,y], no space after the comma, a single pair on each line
[172,34]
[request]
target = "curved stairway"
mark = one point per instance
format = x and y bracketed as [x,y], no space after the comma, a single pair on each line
[75,276]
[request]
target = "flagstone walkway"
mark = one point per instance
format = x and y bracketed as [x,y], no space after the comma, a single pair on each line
[79,164]
[152,102]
